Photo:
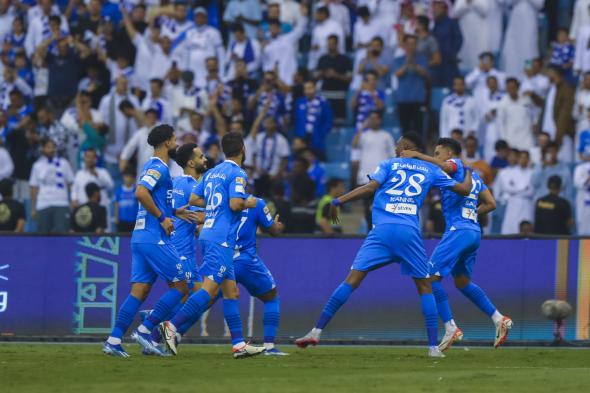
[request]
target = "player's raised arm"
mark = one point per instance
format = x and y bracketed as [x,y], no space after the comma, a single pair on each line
[464,188]
[447,166]
[361,192]
[487,202]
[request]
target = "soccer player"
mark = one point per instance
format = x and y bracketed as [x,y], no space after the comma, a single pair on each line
[223,194]
[153,253]
[457,250]
[252,273]
[400,186]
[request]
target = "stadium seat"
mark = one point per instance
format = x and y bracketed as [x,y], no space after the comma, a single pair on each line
[437,96]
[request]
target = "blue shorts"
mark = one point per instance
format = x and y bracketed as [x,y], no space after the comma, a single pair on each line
[191,269]
[218,262]
[456,253]
[393,243]
[149,261]
[253,274]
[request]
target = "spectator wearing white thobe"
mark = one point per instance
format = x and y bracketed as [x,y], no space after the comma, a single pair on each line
[472,17]
[476,80]
[324,28]
[91,174]
[581,18]
[488,118]
[515,124]
[582,184]
[458,111]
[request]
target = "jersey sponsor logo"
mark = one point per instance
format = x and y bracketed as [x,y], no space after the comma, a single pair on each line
[240,189]
[268,217]
[469,214]
[154,173]
[208,223]
[140,224]
[241,180]
[401,208]
[265,210]
[149,180]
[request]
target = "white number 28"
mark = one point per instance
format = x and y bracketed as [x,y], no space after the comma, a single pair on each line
[412,189]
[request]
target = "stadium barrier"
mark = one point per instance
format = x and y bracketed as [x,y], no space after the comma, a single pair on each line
[67,286]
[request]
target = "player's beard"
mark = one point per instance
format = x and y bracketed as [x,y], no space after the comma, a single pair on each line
[172,153]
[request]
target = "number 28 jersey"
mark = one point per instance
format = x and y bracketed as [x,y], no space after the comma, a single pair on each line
[220,184]
[405,182]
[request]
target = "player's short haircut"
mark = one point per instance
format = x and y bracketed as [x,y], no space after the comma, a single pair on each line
[92,149]
[6,187]
[554,182]
[232,144]
[185,153]
[472,138]
[450,144]
[333,183]
[512,80]
[160,134]
[310,80]
[460,77]
[408,37]
[501,144]
[457,131]
[152,111]
[415,139]
[91,189]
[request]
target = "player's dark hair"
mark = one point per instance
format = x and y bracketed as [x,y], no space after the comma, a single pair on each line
[333,183]
[489,55]
[376,112]
[160,134]
[450,144]
[378,39]
[232,144]
[371,72]
[6,187]
[415,139]
[91,189]
[185,153]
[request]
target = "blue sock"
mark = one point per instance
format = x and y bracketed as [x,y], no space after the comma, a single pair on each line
[338,298]
[430,317]
[272,316]
[442,302]
[156,336]
[125,316]
[182,329]
[479,298]
[162,309]
[231,311]
[195,305]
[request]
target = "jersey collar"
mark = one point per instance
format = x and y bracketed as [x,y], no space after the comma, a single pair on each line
[159,159]
[232,162]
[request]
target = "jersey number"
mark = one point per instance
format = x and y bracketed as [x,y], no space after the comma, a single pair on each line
[214,199]
[412,189]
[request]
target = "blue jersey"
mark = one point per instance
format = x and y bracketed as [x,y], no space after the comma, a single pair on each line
[461,212]
[184,231]
[128,204]
[220,184]
[156,178]
[251,219]
[405,182]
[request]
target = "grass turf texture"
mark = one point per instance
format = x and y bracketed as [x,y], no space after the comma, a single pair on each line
[207,368]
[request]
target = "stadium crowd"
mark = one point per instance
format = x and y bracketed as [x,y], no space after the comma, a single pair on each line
[83,81]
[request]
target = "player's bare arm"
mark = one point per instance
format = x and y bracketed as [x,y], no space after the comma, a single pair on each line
[239,204]
[144,197]
[277,227]
[487,202]
[464,188]
[196,201]
[361,192]
[444,165]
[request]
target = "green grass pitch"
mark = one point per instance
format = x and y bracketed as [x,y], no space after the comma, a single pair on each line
[210,368]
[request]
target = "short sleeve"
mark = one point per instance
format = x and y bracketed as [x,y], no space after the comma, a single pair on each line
[237,186]
[381,173]
[199,189]
[265,219]
[152,177]
[442,180]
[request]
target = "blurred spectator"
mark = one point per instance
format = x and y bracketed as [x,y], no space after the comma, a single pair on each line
[279,204]
[553,214]
[302,195]
[316,171]
[121,127]
[48,127]
[436,221]
[448,35]
[521,39]
[582,185]
[51,178]
[412,73]
[322,218]
[582,52]
[324,28]
[538,152]
[200,43]
[313,119]
[534,79]
[7,16]
[6,164]
[244,49]
[280,51]
[489,117]
[91,217]
[245,12]
[471,15]
[514,188]
[38,24]
[339,13]
[552,167]
[273,15]
[562,53]
[88,174]
[371,145]
[290,12]
[557,117]
[458,111]
[526,228]
[500,160]
[126,203]
[137,146]
[582,103]
[12,212]
[514,120]
[18,113]
[477,79]
[427,44]
[11,81]
[269,94]
[365,29]
[583,147]
[472,158]
[156,100]
[176,24]
[376,60]
[580,18]
[335,74]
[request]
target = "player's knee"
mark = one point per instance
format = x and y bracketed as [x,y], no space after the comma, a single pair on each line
[140,291]
[423,285]
[268,296]
[461,282]
[355,277]
[180,286]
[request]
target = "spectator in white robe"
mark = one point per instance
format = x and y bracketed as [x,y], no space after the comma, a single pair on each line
[514,188]
[241,48]
[521,41]
[472,17]
[338,13]
[90,173]
[488,118]
[581,18]
[324,28]
[582,185]
[582,104]
[514,117]
[582,51]
[365,29]
[476,80]
[458,111]
[494,25]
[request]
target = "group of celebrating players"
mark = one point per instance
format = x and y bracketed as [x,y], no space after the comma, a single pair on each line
[217,202]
